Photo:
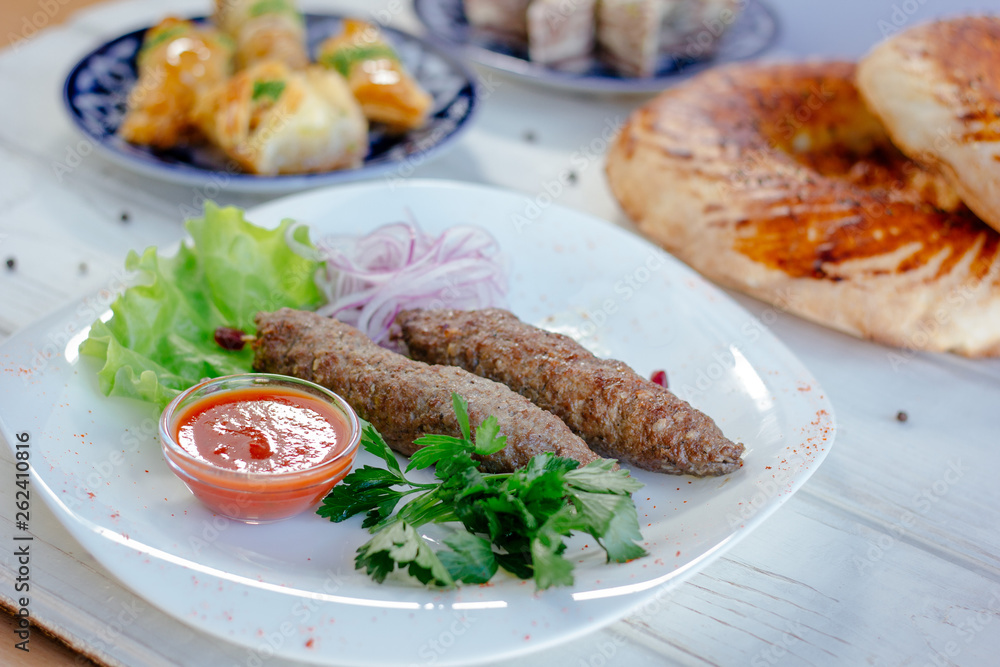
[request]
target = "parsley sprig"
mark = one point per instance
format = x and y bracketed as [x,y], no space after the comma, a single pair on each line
[516,521]
[270,90]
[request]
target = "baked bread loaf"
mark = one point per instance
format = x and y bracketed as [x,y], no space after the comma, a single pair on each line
[936,87]
[777,181]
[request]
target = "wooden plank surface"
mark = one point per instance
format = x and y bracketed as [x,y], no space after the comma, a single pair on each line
[20,21]
[23,20]
[889,556]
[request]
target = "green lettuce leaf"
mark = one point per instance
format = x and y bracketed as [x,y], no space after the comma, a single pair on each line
[160,339]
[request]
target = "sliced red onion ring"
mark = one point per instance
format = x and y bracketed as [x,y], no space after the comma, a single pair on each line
[369,279]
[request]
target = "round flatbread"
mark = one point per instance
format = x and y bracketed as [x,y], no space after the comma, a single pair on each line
[936,87]
[777,181]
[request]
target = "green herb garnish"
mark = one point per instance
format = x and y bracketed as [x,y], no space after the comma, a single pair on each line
[157,36]
[343,59]
[273,7]
[515,521]
[269,89]
[225,41]
[161,338]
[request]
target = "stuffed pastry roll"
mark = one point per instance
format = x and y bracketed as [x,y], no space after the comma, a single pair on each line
[504,16]
[559,34]
[177,61]
[628,32]
[272,119]
[386,91]
[693,29]
[264,30]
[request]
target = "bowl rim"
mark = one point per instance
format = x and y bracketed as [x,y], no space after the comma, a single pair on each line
[177,456]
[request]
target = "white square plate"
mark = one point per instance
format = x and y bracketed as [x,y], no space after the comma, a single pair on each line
[290,588]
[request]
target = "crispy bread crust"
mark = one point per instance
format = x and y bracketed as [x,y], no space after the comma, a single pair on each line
[776,180]
[936,87]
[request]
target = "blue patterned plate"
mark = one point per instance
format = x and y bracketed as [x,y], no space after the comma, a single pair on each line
[753,31]
[97,88]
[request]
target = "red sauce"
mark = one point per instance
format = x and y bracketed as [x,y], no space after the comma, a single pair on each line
[260,453]
[262,430]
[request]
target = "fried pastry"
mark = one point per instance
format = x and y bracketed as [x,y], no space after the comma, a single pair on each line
[178,60]
[275,120]
[264,30]
[386,91]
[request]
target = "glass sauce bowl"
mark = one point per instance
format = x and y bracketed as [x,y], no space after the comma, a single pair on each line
[262,487]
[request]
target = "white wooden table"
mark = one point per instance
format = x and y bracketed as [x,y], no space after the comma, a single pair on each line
[889,556]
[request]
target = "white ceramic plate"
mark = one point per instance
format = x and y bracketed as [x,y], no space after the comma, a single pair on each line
[290,588]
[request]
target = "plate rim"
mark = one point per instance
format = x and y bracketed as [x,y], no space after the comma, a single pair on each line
[281,183]
[652,588]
